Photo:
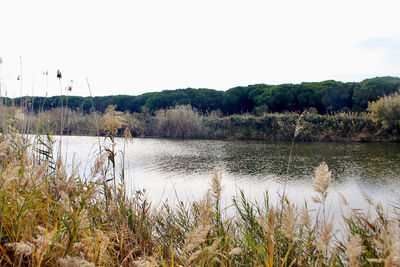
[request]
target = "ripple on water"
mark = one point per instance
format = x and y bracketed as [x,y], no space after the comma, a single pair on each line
[185,167]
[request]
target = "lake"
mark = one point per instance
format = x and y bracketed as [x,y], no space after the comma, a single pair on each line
[182,169]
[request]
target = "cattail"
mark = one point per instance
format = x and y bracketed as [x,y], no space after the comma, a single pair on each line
[354,249]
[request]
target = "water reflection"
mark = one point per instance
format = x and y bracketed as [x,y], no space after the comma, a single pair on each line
[182,169]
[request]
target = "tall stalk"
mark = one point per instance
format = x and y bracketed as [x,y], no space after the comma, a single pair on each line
[296,133]
[95,114]
[59,77]
[20,75]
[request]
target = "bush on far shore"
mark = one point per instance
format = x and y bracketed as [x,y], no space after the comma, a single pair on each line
[185,122]
[387,111]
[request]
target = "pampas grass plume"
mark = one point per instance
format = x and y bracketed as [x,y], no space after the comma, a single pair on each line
[322,180]
[354,249]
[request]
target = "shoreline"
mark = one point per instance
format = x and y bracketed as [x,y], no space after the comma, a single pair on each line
[329,140]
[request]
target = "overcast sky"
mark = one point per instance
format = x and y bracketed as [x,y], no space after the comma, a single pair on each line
[132,47]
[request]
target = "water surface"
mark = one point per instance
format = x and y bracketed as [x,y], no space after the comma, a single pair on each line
[182,169]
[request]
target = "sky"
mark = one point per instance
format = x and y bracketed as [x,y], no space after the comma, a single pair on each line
[133,47]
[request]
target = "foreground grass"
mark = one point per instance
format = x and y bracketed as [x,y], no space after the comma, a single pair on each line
[52,218]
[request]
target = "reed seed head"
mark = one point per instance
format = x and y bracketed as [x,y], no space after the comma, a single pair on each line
[289,223]
[322,180]
[216,187]
[354,249]
[143,263]
[343,200]
[21,248]
[4,149]
[74,262]
[305,217]
[324,237]
[199,234]
[19,115]
[127,134]
[268,223]
[235,251]
[297,130]
[99,163]
[388,243]
[196,237]
[113,120]
[299,126]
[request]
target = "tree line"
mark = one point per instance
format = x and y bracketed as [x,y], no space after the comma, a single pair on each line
[324,97]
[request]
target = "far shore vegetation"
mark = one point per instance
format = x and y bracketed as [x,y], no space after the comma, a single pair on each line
[330,111]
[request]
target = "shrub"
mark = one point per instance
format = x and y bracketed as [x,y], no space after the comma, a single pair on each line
[387,111]
[179,122]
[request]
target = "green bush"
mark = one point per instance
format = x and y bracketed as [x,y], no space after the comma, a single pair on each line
[387,111]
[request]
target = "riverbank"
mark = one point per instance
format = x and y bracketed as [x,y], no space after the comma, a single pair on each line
[51,217]
[184,122]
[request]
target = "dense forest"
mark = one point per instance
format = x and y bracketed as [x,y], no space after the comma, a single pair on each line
[325,97]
